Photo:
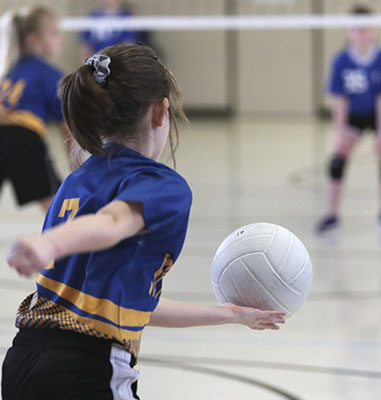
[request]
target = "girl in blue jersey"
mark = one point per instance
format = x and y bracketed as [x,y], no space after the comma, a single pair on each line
[355,85]
[112,232]
[28,101]
[99,38]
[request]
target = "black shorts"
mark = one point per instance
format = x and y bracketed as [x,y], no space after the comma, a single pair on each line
[24,160]
[363,122]
[47,364]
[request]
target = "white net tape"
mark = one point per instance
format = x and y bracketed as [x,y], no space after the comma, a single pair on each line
[186,23]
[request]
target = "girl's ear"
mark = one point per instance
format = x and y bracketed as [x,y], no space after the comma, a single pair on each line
[159,111]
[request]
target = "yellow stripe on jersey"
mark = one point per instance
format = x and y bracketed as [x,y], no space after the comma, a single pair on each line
[38,312]
[27,120]
[93,305]
[122,335]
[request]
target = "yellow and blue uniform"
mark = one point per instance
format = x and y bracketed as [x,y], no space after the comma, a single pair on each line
[28,102]
[111,293]
[28,94]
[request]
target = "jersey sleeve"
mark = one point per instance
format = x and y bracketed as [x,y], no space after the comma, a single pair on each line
[336,84]
[53,103]
[166,199]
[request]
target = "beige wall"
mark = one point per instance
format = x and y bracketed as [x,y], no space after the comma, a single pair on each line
[252,71]
[276,77]
[274,67]
[197,59]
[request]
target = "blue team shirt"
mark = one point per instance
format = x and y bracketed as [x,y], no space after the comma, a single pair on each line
[28,93]
[98,39]
[359,82]
[115,290]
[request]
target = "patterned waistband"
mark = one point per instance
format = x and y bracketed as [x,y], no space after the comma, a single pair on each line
[41,313]
[24,118]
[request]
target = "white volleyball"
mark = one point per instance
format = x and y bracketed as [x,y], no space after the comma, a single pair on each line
[262,265]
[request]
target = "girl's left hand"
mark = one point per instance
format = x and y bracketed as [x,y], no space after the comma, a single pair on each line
[30,254]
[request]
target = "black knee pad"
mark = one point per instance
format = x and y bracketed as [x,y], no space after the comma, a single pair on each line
[337,167]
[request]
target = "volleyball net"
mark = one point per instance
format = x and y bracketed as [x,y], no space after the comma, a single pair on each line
[228,22]
[188,15]
[240,55]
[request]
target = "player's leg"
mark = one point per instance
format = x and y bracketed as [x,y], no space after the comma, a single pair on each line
[343,147]
[30,168]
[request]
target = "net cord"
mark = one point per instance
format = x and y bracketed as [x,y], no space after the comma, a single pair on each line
[197,23]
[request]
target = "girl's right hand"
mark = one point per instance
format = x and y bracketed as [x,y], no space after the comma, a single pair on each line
[255,318]
[30,254]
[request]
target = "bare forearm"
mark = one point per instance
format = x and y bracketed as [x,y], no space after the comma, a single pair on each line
[176,314]
[116,221]
[87,233]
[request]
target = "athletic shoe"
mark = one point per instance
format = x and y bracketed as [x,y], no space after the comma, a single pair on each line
[327,224]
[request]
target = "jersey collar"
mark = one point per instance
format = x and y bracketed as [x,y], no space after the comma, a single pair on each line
[361,59]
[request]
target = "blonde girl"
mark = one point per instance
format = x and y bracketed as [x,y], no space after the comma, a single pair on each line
[28,102]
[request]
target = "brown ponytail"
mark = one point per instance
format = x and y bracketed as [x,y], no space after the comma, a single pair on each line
[116,109]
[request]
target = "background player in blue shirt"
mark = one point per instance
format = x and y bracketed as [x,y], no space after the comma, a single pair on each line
[99,38]
[355,85]
[113,231]
[28,101]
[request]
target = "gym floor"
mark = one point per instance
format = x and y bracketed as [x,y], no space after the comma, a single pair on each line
[242,171]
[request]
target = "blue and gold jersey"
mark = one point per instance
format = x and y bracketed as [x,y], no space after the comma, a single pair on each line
[358,80]
[112,293]
[28,94]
